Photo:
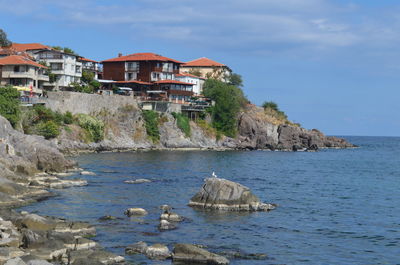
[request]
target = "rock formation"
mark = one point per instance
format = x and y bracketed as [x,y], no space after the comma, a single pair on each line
[222,194]
[191,254]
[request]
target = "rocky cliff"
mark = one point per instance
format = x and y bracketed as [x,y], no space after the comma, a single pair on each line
[125,130]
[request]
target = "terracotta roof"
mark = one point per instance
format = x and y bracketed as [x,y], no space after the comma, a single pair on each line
[18,60]
[88,60]
[23,47]
[173,82]
[203,62]
[189,75]
[147,56]
[132,81]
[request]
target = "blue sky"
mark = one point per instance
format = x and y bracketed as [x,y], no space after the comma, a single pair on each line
[331,65]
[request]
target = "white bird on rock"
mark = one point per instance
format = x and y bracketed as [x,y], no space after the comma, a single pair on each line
[214,175]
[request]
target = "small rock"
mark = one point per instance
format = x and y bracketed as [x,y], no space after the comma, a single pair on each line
[137,181]
[16,261]
[171,217]
[107,218]
[190,254]
[88,173]
[166,208]
[158,252]
[165,225]
[137,248]
[135,211]
[37,223]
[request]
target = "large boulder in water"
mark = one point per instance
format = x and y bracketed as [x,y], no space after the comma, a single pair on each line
[190,254]
[222,194]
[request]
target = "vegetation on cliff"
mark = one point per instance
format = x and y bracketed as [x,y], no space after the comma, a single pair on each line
[10,105]
[229,99]
[93,126]
[182,122]
[151,120]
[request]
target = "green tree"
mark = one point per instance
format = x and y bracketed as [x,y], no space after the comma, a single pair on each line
[228,101]
[10,104]
[48,129]
[4,41]
[270,105]
[235,80]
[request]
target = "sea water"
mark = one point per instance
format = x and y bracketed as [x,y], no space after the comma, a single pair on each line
[335,206]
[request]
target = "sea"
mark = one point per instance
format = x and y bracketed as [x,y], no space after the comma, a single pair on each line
[335,206]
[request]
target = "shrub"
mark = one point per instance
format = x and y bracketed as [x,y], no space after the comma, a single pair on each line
[182,122]
[93,126]
[48,129]
[151,124]
[270,105]
[272,109]
[10,105]
[43,114]
[68,118]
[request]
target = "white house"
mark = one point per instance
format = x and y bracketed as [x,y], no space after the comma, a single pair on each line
[197,82]
[65,66]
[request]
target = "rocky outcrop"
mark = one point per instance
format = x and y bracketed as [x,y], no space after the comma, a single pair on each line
[191,254]
[222,194]
[258,131]
[32,239]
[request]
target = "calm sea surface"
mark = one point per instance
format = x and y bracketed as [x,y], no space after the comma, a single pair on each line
[335,206]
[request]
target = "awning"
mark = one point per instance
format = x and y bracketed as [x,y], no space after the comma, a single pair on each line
[155,91]
[22,88]
[125,88]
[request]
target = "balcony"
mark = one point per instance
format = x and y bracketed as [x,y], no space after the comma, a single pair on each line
[10,74]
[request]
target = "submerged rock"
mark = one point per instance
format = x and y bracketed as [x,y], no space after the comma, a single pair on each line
[166,225]
[137,248]
[171,217]
[222,194]
[137,181]
[88,173]
[191,254]
[158,252]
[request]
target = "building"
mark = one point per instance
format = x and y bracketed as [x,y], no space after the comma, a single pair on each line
[151,76]
[22,73]
[197,82]
[206,68]
[65,66]
[28,48]
[90,66]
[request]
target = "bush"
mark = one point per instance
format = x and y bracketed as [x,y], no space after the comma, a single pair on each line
[43,114]
[270,105]
[93,126]
[182,122]
[151,124]
[68,118]
[228,101]
[48,129]
[10,105]
[272,109]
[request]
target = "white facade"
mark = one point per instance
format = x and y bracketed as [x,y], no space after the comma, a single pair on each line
[197,81]
[28,76]
[66,66]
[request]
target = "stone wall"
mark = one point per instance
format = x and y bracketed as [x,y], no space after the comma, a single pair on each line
[87,103]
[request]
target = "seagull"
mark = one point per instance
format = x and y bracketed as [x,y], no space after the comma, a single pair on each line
[214,175]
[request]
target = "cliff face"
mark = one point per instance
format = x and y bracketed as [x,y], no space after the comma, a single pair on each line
[125,128]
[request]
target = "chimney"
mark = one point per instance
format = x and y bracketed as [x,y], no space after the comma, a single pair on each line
[119,54]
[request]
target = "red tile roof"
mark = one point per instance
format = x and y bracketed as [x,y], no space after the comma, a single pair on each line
[173,82]
[203,62]
[18,60]
[132,81]
[88,60]
[23,47]
[147,56]
[189,75]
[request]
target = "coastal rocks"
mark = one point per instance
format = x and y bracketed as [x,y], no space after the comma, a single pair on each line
[222,194]
[191,254]
[156,251]
[166,225]
[137,181]
[135,211]
[171,217]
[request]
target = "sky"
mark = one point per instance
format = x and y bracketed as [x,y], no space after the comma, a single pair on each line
[329,64]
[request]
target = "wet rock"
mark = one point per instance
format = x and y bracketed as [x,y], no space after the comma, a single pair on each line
[165,225]
[191,254]
[37,223]
[137,181]
[166,208]
[158,252]
[107,218]
[137,248]
[171,217]
[135,211]
[222,194]
[87,173]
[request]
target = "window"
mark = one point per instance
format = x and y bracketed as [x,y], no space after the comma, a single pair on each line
[16,68]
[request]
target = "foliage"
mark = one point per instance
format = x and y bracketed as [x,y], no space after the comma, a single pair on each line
[89,84]
[57,48]
[228,101]
[10,105]
[68,118]
[48,129]
[93,126]
[82,88]
[65,49]
[151,124]
[235,80]
[272,109]
[4,41]
[206,127]
[52,76]
[182,122]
